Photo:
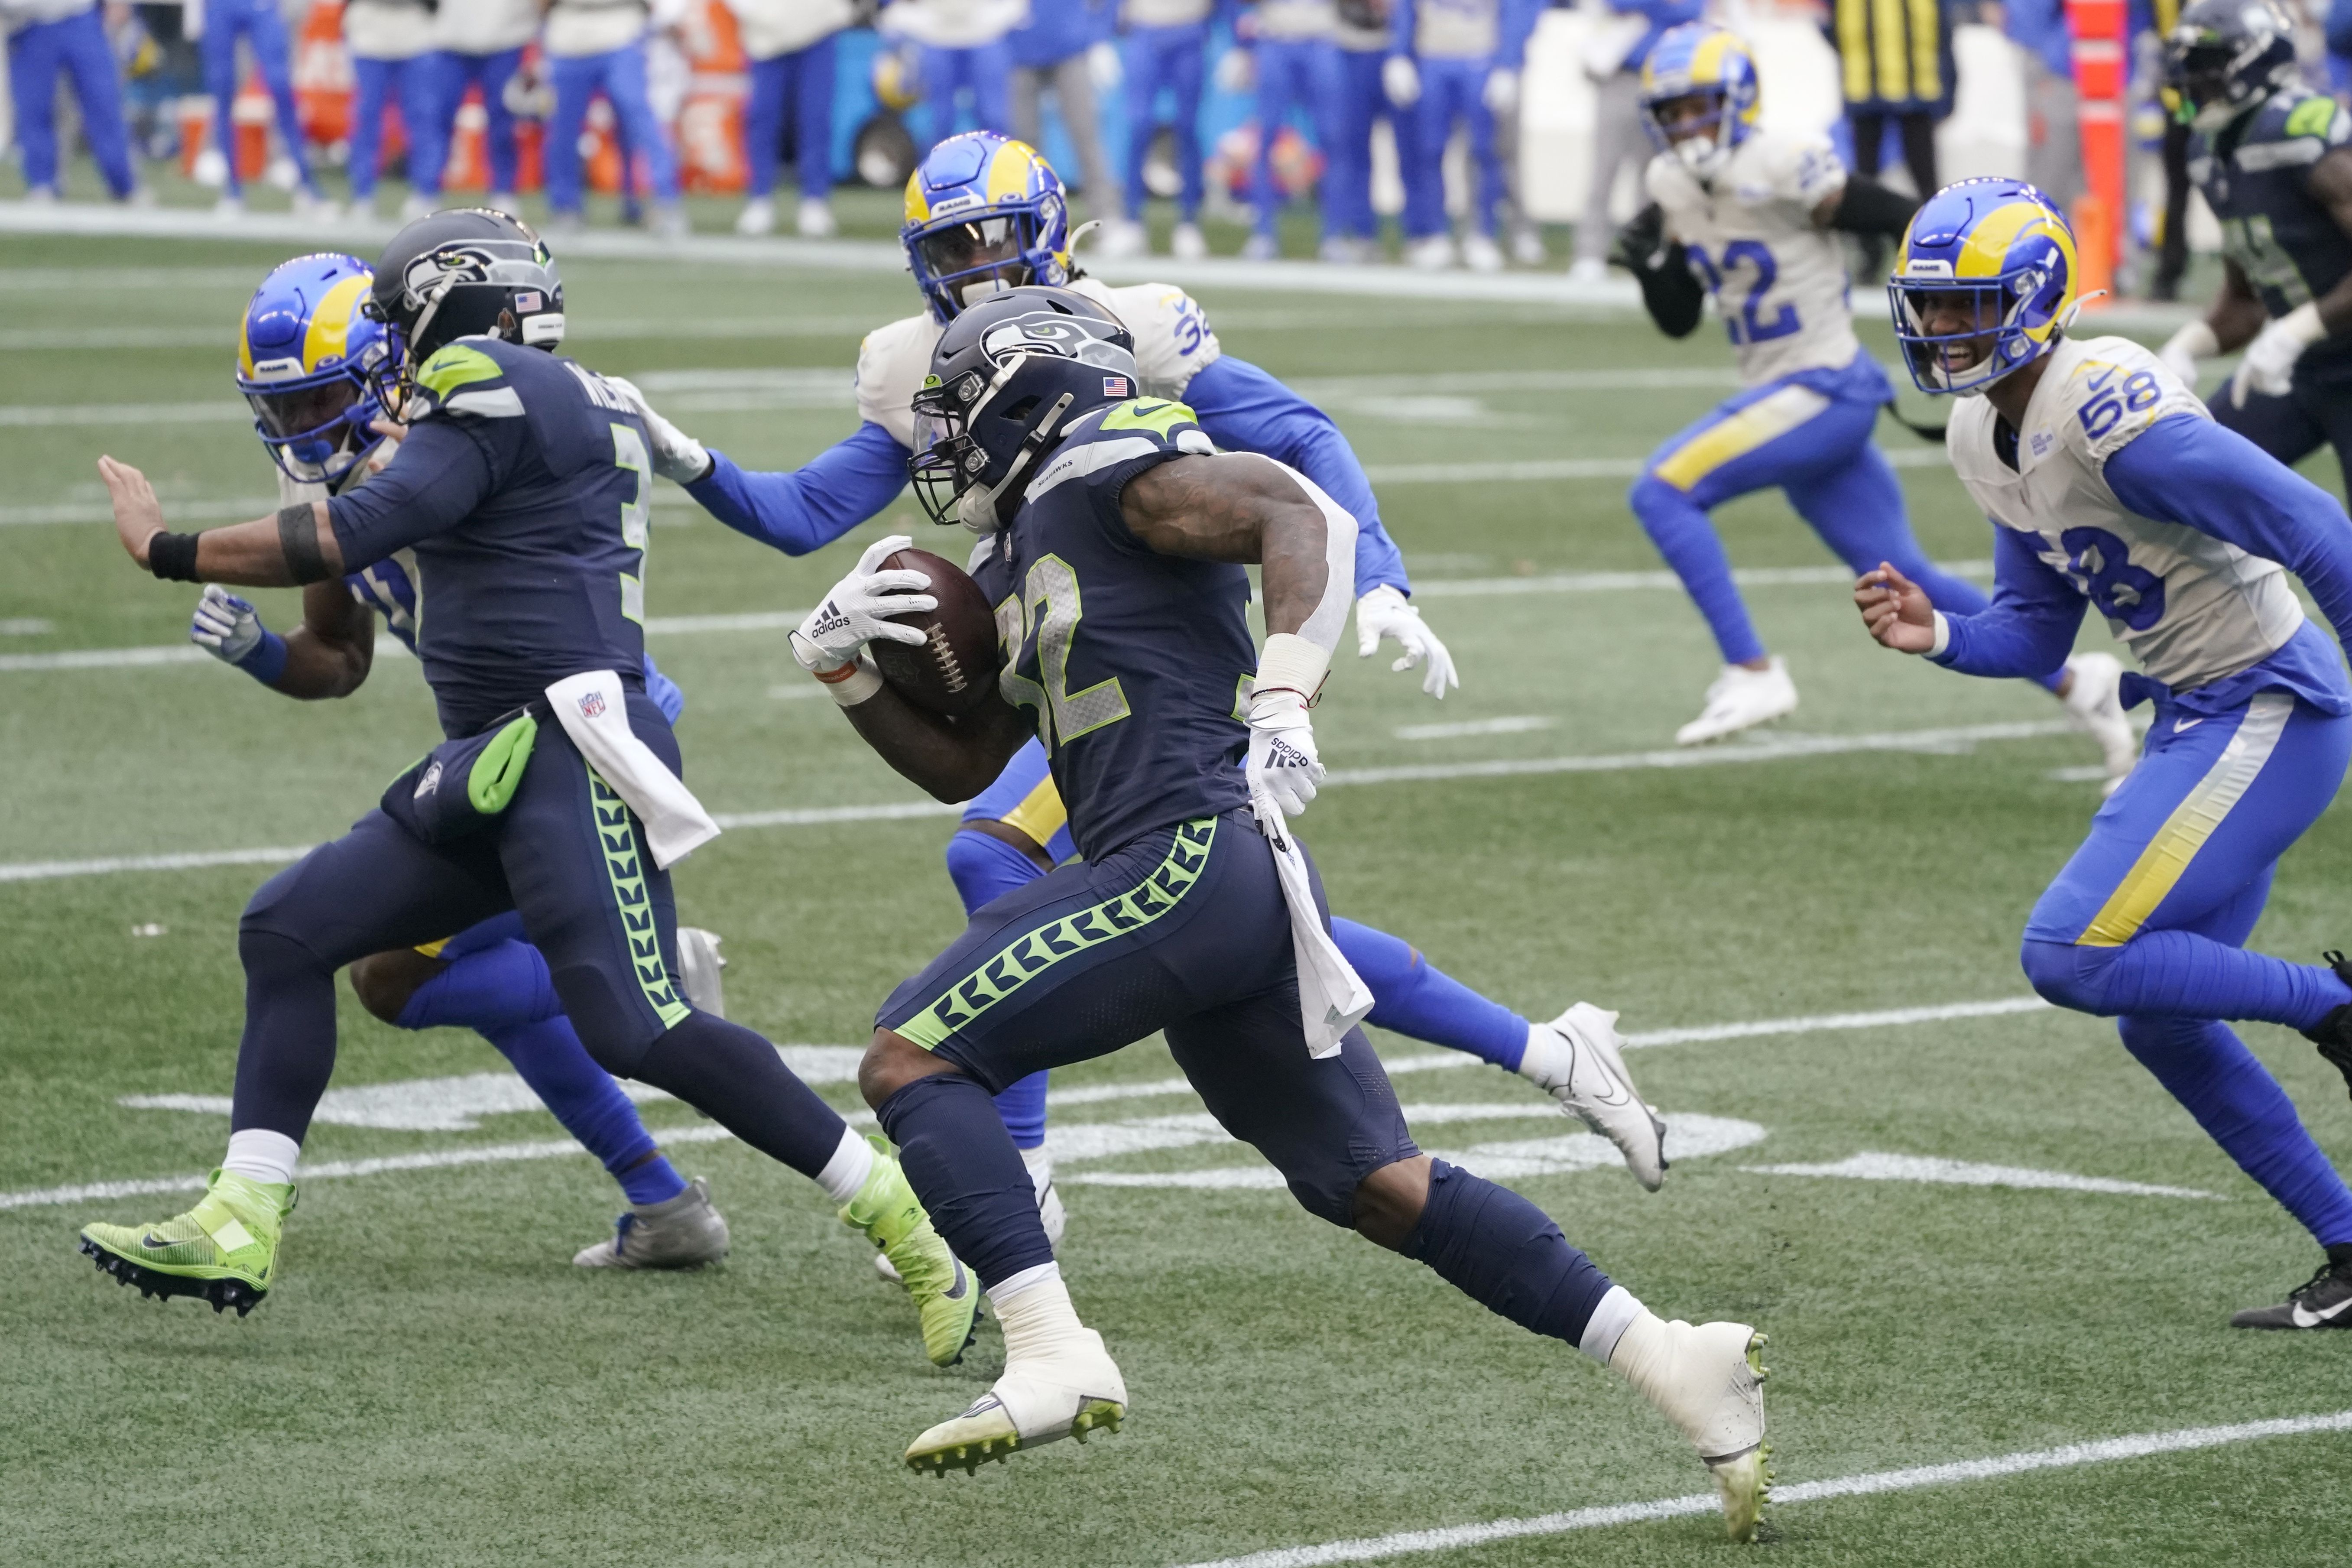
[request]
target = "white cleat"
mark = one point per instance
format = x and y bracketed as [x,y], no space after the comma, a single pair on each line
[1068,1390]
[1707,1380]
[1430,253]
[1050,1212]
[418,205]
[698,963]
[1122,239]
[1188,242]
[1527,249]
[229,208]
[1741,699]
[1261,247]
[683,1232]
[2094,707]
[1578,1059]
[504,202]
[1481,254]
[670,223]
[758,218]
[1588,270]
[815,220]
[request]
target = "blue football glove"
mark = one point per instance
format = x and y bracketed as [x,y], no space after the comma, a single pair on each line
[230,629]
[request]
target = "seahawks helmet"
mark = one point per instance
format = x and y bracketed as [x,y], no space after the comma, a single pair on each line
[1008,376]
[984,214]
[2225,56]
[2003,250]
[303,359]
[1699,61]
[468,273]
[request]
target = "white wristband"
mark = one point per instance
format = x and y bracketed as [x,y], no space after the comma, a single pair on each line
[851,684]
[1290,662]
[1943,637]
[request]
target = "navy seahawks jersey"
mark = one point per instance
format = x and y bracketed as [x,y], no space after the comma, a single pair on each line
[1133,662]
[2255,174]
[524,490]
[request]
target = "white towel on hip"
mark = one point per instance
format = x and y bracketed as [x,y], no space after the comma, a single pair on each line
[1332,997]
[594,711]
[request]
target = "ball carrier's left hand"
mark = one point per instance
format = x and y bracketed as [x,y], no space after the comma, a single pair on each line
[295,547]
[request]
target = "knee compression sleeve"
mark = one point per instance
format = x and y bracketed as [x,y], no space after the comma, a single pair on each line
[1504,1253]
[1415,999]
[736,1078]
[1678,526]
[2179,975]
[984,870]
[502,986]
[968,1173]
[287,1051]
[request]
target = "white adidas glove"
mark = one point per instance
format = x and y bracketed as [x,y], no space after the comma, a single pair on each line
[226,626]
[1386,613]
[1502,93]
[1104,67]
[2268,365]
[2184,348]
[1400,79]
[1282,767]
[851,614]
[678,457]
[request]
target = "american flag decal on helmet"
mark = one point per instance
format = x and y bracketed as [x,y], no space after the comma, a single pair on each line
[1116,386]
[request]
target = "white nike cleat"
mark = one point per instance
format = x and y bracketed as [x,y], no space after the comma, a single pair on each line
[1480,253]
[758,218]
[1261,247]
[1741,699]
[1578,1059]
[1123,239]
[1067,1390]
[1430,253]
[815,220]
[1188,242]
[2094,707]
[418,205]
[1588,270]
[1706,1379]
[1527,249]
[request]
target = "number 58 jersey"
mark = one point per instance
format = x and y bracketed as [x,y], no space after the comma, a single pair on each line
[1779,282]
[2192,608]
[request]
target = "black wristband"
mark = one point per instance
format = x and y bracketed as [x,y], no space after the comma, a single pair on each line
[298,535]
[173,557]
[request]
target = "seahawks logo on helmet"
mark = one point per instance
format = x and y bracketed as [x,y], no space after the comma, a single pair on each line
[1065,337]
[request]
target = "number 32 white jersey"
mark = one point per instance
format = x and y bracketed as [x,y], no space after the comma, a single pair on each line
[1779,282]
[2192,608]
[1173,343]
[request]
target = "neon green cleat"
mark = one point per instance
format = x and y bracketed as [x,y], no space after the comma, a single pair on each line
[224,1250]
[946,1295]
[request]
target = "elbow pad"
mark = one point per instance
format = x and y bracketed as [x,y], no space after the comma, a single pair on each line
[1868,207]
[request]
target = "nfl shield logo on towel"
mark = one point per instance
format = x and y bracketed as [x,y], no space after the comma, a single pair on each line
[1116,386]
[592,705]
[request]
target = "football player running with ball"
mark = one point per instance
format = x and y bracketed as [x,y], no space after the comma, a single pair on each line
[2108,484]
[1117,567]
[985,214]
[1751,217]
[521,488]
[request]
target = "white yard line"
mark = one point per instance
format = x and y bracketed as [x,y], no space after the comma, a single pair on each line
[1998,1467]
[1551,468]
[1872,1165]
[1957,738]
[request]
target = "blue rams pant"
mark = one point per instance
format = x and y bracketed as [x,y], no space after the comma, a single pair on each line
[1175,58]
[1184,929]
[264,33]
[984,70]
[2316,411]
[451,74]
[622,75]
[76,45]
[1451,90]
[1358,104]
[1292,73]
[800,83]
[409,83]
[1816,448]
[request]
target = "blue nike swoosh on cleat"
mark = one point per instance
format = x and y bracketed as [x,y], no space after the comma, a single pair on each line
[149,1240]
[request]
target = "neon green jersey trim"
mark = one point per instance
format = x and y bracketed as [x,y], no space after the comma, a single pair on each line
[626,867]
[1035,951]
[1150,414]
[2312,116]
[456,366]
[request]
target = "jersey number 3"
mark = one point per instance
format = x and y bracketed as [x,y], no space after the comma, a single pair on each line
[1037,628]
[629,455]
[1746,328]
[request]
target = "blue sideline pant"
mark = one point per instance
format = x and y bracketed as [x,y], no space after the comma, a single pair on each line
[264,31]
[1451,91]
[75,45]
[1292,73]
[622,76]
[1174,59]
[451,74]
[985,71]
[1358,103]
[799,84]
[411,84]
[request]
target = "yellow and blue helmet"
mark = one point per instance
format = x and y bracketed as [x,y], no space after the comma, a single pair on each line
[303,361]
[1699,59]
[984,214]
[2003,251]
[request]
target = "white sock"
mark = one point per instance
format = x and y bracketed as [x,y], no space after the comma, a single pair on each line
[846,1173]
[1542,1058]
[262,1156]
[1619,1310]
[1041,1166]
[1034,1309]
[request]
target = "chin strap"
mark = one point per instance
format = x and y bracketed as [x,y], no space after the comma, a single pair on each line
[1925,432]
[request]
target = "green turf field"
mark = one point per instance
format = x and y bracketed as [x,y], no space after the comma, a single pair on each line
[433,1383]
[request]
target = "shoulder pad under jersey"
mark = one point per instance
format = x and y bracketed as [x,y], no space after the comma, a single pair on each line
[2292,130]
[1173,340]
[1141,427]
[2113,390]
[1801,169]
[891,364]
[472,376]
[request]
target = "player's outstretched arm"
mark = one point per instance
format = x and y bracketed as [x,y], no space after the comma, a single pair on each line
[2027,630]
[295,547]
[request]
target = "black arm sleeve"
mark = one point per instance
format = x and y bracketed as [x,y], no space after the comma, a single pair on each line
[1671,295]
[1868,207]
[435,482]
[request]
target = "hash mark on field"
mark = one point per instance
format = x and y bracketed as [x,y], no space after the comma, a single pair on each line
[2109,1450]
[1515,725]
[1870,1165]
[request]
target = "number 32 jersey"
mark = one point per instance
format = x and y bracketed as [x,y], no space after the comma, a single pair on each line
[2192,608]
[1779,282]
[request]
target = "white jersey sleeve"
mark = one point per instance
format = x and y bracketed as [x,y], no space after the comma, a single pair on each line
[1173,340]
[891,364]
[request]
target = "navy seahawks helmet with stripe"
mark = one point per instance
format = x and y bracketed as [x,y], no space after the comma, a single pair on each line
[471,272]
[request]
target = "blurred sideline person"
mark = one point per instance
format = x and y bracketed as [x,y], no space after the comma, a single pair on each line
[481,44]
[1896,60]
[1065,48]
[1168,47]
[46,37]
[1456,61]
[219,24]
[304,352]
[593,45]
[2108,485]
[1748,216]
[520,486]
[391,44]
[1352,228]
[1297,69]
[1613,60]
[961,47]
[1017,829]
[2274,160]
[790,44]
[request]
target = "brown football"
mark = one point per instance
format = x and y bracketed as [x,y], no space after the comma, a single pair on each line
[955,665]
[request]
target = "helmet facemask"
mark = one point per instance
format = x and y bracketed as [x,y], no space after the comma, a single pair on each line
[1699,127]
[949,470]
[961,264]
[1980,315]
[316,428]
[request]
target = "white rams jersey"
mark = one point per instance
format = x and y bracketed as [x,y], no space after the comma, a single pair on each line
[1173,344]
[1778,281]
[2192,608]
